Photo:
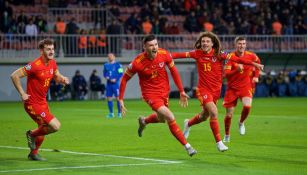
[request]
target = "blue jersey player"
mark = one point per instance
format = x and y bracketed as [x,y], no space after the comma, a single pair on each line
[112,72]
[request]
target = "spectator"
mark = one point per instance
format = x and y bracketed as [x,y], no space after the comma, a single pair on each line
[190,23]
[146,26]
[96,86]
[82,42]
[79,85]
[41,24]
[31,29]
[208,26]
[60,26]
[276,26]
[114,29]
[71,42]
[132,24]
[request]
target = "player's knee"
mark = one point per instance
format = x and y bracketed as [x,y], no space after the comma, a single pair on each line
[56,127]
[213,114]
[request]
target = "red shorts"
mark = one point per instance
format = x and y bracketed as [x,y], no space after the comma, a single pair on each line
[156,102]
[205,96]
[231,96]
[39,113]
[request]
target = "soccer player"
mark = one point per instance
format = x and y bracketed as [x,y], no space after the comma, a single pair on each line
[153,79]
[112,72]
[241,80]
[39,74]
[209,60]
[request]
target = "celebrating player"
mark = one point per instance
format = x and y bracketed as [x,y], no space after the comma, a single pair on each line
[241,80]
[150,67]
[209,60]
[39,74]
[112,72]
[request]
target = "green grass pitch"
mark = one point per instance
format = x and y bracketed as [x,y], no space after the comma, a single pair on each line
[88,143]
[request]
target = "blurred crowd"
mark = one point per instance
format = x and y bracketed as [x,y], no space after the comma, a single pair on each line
[276,17]
[222,17]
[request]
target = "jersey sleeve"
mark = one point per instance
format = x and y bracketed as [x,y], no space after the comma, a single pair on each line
[28,69]
[174,72]
[130,71]
[228,69]
[120,71]
[182,55]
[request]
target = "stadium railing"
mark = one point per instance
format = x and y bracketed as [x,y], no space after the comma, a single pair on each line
[67,46]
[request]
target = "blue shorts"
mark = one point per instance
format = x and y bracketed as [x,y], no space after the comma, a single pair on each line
[112,89]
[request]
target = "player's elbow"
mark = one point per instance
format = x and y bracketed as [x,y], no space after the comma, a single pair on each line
[14,76]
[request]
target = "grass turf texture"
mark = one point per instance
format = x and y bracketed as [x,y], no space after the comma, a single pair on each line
[275,141]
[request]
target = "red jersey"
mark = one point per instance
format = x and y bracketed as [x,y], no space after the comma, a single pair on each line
[243,79]
[153,78]
[209,67]
[39,76]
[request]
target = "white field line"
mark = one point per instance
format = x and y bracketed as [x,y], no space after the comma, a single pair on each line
[155,161]
[82,167]
[97,154]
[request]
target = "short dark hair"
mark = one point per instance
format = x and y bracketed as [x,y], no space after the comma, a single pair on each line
[148,38]
[239,38]
[47,41]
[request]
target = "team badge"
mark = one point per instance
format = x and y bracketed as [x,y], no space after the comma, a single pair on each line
[28,67]
[205,96]
[51,71]
[43,114]
[130,66]
[161,64]
[213,59]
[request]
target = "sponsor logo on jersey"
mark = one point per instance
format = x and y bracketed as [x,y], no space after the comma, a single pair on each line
[28,67]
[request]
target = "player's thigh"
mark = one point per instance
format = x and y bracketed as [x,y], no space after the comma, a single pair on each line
[246,96]
[166,113]
[247,101]
[55,124]
[115,90]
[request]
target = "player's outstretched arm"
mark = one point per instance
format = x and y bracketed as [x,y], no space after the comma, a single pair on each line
[178,55]
[15,76]
[58,77]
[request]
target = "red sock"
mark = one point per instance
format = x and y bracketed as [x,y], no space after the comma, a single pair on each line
[38,142]
[244,113]
[227,123]
[195,120]
[175,130]
[40,131]
[214,124]
[152,118]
